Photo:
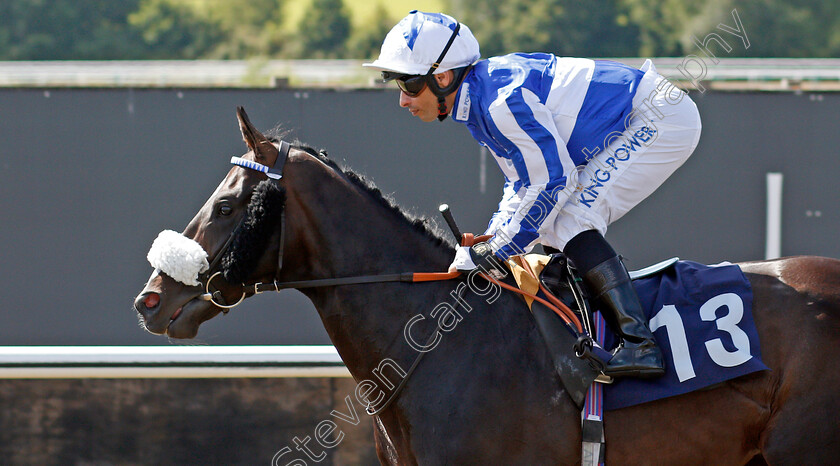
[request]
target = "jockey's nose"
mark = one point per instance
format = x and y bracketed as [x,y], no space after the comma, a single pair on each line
[404,99]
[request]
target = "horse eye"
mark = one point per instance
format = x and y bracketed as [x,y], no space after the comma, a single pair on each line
[225,210]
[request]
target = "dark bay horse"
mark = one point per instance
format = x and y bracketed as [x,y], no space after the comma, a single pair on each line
[488,393]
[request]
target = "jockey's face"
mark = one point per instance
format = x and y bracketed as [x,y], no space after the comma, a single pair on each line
[425,104]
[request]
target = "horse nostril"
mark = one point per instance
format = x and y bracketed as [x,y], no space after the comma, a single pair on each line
[151,301]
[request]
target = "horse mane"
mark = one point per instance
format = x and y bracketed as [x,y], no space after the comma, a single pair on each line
[422,224]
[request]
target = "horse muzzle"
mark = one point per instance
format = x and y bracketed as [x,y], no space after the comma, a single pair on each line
[168,307]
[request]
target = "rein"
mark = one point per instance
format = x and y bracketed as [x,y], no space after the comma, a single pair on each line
[410,277]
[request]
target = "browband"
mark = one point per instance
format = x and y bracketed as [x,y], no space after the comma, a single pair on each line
[275,172]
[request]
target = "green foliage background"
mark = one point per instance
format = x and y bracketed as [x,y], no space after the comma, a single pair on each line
[241,29]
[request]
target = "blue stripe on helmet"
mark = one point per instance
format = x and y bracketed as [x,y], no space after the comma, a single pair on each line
[416,20]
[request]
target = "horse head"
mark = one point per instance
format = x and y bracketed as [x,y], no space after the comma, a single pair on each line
[286,216]
[233,238]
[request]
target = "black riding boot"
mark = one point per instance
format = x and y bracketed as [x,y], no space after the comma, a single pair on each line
[637,354]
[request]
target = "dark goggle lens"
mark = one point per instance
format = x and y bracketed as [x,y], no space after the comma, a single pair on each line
[412,86]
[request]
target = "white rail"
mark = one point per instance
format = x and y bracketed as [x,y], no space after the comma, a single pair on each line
[740,73]
[63,362]
[187,73]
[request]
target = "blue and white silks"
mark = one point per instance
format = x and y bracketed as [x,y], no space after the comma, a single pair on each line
[541,116]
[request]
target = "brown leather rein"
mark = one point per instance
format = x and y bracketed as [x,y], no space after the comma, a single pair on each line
[468,239]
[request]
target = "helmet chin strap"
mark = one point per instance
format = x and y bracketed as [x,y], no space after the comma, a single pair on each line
[443,112]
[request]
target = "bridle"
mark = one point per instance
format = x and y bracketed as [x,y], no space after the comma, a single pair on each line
[275,173]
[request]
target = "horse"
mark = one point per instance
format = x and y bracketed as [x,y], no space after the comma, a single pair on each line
[487,392]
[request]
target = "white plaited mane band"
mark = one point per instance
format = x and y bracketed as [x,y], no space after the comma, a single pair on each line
[180,257]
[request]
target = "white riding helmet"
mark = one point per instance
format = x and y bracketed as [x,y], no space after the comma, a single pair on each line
[413,45]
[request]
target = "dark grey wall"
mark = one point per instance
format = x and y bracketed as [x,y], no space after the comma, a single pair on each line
[89,177]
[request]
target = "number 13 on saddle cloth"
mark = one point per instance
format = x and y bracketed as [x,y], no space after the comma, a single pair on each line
[701,316]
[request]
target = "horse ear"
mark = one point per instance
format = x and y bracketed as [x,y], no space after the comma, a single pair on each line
[265,152]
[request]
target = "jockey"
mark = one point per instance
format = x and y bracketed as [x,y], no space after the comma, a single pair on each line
[580,142]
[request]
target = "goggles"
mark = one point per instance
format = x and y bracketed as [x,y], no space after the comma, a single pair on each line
[410,84]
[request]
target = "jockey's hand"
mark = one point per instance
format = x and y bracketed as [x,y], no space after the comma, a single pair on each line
[479,255]
[462,262]
[483,256]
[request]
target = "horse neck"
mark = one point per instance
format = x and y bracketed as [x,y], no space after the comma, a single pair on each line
[346,231]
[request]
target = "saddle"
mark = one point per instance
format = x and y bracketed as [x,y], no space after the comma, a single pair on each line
[552,289]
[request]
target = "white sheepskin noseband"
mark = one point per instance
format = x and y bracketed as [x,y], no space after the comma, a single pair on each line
[179,257]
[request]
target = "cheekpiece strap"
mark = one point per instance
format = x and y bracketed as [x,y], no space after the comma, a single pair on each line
[275,172]
[281,158]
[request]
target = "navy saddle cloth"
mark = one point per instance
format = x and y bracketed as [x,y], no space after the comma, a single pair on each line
[701,317]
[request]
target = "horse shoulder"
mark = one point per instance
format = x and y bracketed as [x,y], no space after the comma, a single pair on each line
[493,367]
